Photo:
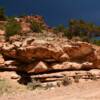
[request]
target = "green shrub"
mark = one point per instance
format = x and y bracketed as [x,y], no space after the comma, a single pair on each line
[2,26]
[2,14]
[36,27]
[68,34]
[48,86]
[96,42]
[34,84]
[85,39]
[12,27]
[59,28]
[91,76]
[77,78]
[66,81]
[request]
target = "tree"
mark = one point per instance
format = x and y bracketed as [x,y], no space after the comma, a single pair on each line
[59,28]
[2,14]
[81,28]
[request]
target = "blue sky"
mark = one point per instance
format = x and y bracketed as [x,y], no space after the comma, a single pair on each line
[55,11]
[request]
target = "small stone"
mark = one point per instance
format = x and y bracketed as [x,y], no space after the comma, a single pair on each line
[2,61]
[14,76]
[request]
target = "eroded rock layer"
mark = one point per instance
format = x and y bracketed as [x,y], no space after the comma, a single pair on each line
[35,55]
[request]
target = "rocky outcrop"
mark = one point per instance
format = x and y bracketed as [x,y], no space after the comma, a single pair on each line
[34,55]
[26,25]
[31,49]
[73,66]
[2,61]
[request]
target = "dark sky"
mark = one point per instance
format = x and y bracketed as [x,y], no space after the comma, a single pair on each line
[55,11]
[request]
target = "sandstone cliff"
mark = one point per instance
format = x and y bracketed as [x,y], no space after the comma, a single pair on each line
[34,55]
[33,52]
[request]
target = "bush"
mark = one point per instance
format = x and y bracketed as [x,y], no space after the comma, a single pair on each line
[2,26]
[12,27]
[91,76]
[85,39]
[59,28]
[96,42]
[34,84]
[66,81]
[68,34]
[2,14]
[76,78]
[36,27]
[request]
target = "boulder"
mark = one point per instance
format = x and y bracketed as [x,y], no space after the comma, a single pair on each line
[8,50]
[72,66]
[2,61]
[40,67]
[78,50]
[87,65]
[14,76]
[67,66]
[37,67]
[39,50]
[95,71]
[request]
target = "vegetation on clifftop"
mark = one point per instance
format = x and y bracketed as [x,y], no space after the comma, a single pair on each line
[12,27]
[76,28]
[79,28]
[2,14]
[36,27]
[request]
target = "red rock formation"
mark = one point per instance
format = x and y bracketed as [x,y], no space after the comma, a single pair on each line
[44,55]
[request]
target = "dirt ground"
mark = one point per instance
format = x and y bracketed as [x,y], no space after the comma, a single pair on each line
[80,91]
[84,90]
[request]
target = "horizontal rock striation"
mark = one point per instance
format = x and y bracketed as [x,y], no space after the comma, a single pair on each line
[35,55]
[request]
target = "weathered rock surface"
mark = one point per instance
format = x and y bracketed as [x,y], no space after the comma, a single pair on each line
[2,61]
[73,66]
[37,67]
[41,49]
[2,32]
[55,54]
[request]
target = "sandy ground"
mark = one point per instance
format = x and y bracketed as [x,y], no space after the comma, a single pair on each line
[84,90]
[89,90]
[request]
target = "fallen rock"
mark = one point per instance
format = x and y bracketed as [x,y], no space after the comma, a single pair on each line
[37,67]
[15,76]
[40,67]
[95,71]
